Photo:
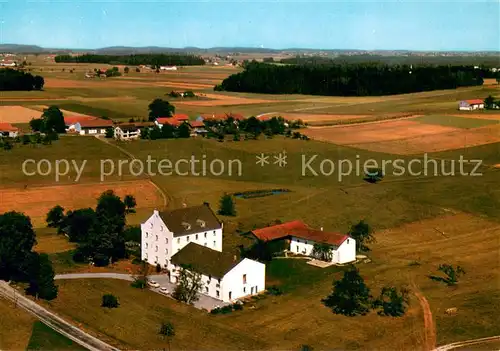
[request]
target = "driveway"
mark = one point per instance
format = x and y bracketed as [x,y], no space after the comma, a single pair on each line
[204,302]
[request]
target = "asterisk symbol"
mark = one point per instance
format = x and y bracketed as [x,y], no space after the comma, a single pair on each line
[262,160]
[280,160]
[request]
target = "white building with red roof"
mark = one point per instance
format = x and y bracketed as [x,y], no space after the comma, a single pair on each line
[8,130]
[469,105]
[302,238]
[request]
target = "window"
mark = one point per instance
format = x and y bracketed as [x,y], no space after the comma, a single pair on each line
[244,290]
[205,244]
[161,228]
[217,293]
[146,256]
[205,235]
[146,234]
[196,236]
[166,263]
[348,241]
[166,251]
[206,289]
[217,285]
[166,240]
[230,295]
[156,248]
[214,243]
[214,232]
[157,238]
[151,225]
[156,259]
[244,278]
[187,238]
[146,245]
[178,240]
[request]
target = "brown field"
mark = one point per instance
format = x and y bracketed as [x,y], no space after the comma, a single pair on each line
[185,85]
[316,117]
[17,114]
[223,100]
[16,326]
[37,201]
[490,81]
[436,142]
[376,132]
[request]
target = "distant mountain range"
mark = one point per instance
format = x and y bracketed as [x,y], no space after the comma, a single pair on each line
[127,50]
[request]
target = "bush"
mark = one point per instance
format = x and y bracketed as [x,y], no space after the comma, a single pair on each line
[237,307]
[139,284]
[274,290]
[136,260]
[101,260]
[109,301]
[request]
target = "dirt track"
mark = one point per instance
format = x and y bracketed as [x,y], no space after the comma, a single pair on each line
[430,329]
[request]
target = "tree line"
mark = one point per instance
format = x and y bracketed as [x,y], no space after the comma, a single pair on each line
[348,80]
[134,60]
[14,80]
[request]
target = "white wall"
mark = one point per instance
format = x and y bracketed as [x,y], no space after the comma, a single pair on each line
[233,282]
[346,252]
[301,246]
[211,239]
[156,241]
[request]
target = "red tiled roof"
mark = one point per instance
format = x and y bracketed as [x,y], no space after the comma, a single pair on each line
[197,124]
[97,122]
[474,101]
[169,120]
[223,116]
[73,119]
[7,127]
[180,116]
[300,230]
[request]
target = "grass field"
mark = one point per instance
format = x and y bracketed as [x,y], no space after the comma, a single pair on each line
[452,121]
[45,338]
[15,325]
[408,212]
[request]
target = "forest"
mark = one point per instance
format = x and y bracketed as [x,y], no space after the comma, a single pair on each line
[369,79]
[14,80]
[134,60]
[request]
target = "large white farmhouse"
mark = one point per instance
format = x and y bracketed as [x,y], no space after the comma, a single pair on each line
[225,276]
[301,239]
[469,105]
[165,233]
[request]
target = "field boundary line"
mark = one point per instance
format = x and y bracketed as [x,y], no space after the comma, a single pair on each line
[166,199]
[457,344]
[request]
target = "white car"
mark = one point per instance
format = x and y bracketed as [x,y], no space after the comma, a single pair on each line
[153,284]
[164,290]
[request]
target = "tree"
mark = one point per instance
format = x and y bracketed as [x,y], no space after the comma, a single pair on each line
[160,108]
[55,217]
[17,239]
[111,212]
[350,295]
[78,223]
[452,274]
[130,203]
[322,252]
[137,70]
[183,131]
[362,233]
[189,94]
[141,278]
[132,234]
[109,301]
[489,102]
[110,133]
[38,82]
[391,302]
[263,251]
[188,285]
[227,207]
[167,330]
[53,120]
[167,131]
[126,70]
[374,175]
[41,277]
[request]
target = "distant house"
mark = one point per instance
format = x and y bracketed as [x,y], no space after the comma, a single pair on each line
[198,128]
[130,131]
[8,63]
[168,68]
[8,130]
[221,116]
[469,105]
[224,276]
[176,120]
[94,126]
[301,239]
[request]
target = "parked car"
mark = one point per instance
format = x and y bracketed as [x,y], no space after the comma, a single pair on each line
[153,284]
[164,290]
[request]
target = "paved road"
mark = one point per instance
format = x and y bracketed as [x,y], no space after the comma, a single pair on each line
[456,345]
[204,302]
[53,321]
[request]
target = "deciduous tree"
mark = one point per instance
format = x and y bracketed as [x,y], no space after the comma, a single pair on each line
[160,108]
[363,234]
[188,285]
[41,277]
[55,217]
[167,330]
[227,206]
[391,302]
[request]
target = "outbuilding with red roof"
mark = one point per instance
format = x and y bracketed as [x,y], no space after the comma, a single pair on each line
[302,238]
[8,130]
[469,105]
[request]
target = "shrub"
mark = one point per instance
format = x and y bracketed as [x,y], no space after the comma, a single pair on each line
[274,290]
[109,301]
[139,284]
[237,307]
[101,260]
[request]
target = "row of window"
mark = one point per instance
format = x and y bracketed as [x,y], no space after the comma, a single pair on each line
[156,260]
[179,239]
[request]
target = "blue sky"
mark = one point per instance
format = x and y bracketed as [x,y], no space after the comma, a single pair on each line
[414,25]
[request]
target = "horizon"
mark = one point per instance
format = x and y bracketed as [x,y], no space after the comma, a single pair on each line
[366,26]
